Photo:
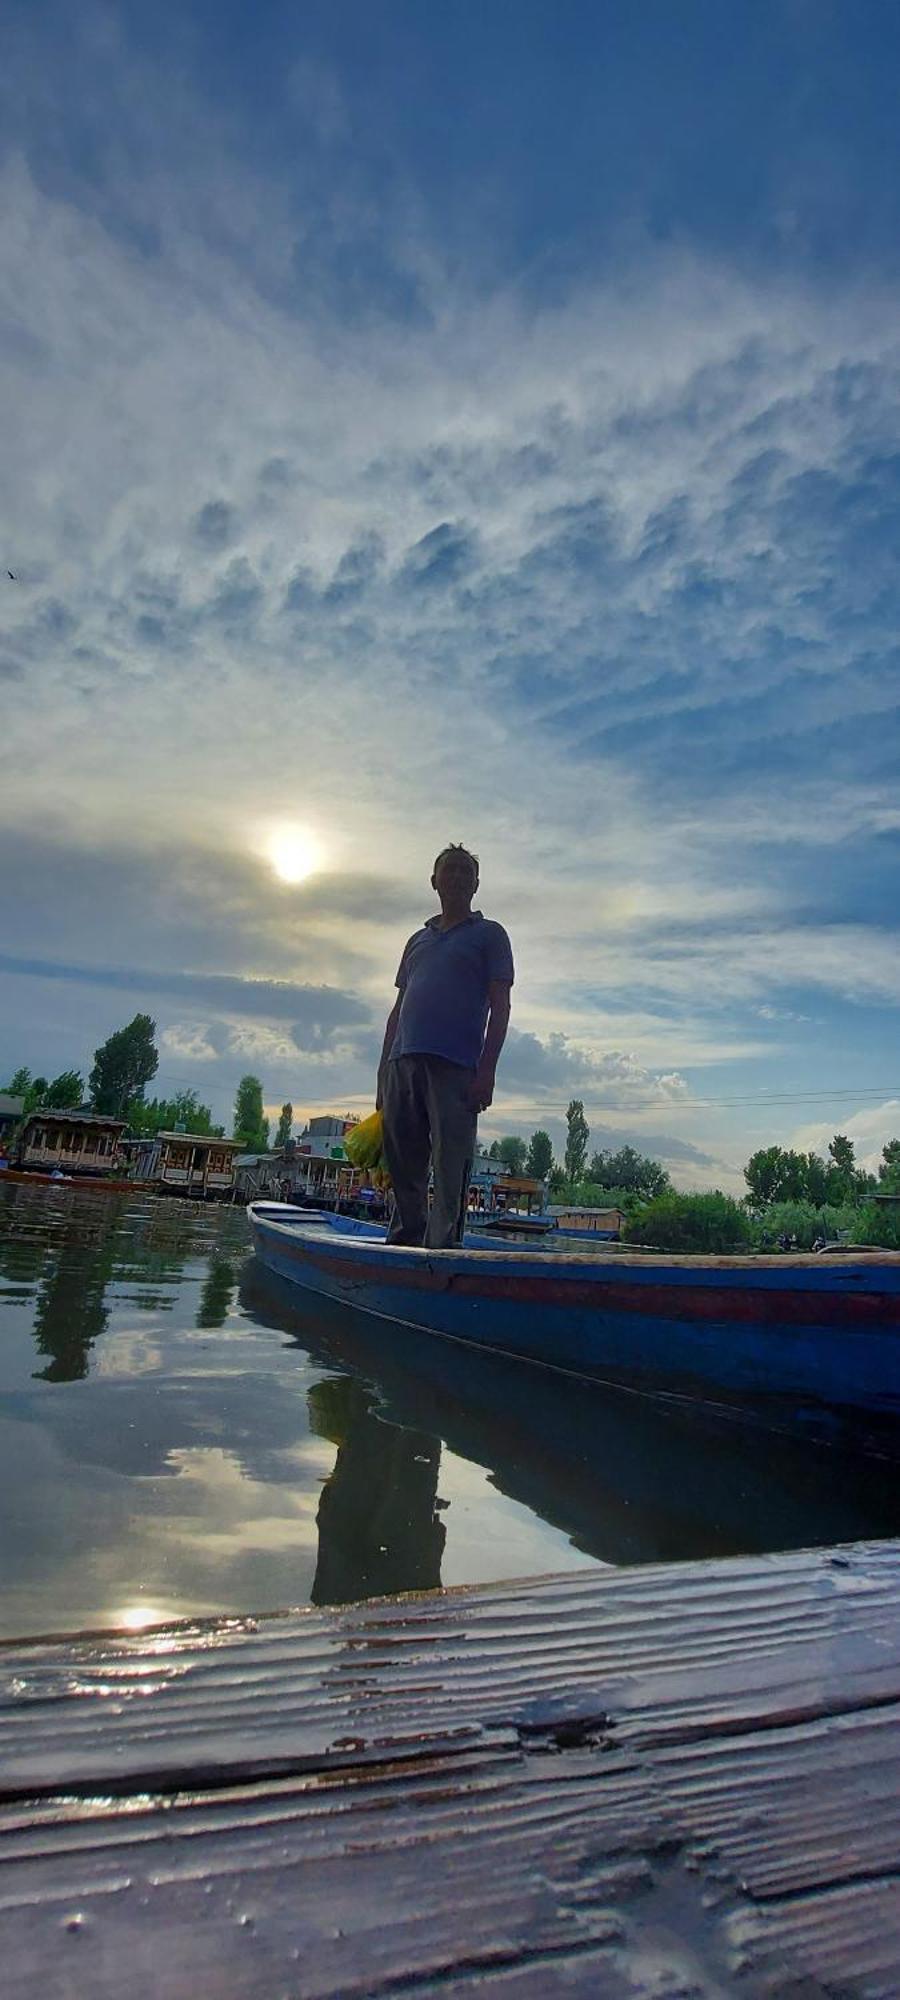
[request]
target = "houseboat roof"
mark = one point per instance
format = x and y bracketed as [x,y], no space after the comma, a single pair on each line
[200,1139]
[81,1116]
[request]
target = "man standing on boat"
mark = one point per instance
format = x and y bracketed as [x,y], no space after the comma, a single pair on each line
[443,1037]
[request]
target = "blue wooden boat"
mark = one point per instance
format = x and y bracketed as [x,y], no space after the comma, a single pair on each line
[802,1339]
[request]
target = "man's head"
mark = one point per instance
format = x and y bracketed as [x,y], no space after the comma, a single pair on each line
[455,875]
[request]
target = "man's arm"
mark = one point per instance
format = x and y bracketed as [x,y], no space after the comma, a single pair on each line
[389,1033]
[498,1022]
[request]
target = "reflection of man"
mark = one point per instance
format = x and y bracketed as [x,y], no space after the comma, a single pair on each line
[443,1037]
[379,1518]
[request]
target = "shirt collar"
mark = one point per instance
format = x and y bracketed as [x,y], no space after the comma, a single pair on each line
[474,917]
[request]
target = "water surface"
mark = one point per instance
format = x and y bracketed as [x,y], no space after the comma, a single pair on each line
[183,1434]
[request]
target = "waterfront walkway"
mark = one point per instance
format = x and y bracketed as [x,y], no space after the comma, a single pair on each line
[667,1781]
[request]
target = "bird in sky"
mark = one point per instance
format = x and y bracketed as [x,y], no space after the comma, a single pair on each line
[13,579]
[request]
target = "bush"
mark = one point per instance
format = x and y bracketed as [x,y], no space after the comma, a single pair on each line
[701,1222]
[877,1222]
[804,1220]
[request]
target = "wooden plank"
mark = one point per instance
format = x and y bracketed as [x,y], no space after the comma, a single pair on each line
[668,1651]
[673,1782]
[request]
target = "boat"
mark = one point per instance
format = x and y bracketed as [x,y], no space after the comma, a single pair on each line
[804,1341]
[98,1183]
[628,1478]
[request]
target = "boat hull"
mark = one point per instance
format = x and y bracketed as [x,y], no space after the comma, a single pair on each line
[801,1334]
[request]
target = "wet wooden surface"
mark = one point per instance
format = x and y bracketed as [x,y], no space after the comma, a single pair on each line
[675,1781]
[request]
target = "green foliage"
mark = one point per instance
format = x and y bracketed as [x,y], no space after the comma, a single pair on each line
[540,1156]
[698,1222]
[558,1184]
[511,1153]
[577,1136]
[877,1222]
[889,1168]
[123,1066]
[148,1116]
[805,1220]
[249,1124]
[777,1174]
[628,1169]
[65,1092]
[587,1194]
[285,1125]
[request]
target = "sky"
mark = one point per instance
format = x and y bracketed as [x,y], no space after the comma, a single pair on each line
[477,424]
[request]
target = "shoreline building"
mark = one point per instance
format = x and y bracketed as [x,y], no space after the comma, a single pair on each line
[72,1142]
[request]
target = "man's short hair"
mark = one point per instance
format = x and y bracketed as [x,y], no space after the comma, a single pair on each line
[456,847]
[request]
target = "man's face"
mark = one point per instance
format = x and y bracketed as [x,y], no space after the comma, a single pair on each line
[455,878]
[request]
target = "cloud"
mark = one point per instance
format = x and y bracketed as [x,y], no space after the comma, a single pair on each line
[870,1128]
[558,1064]
[314,523]
[214,525]
[313,1011]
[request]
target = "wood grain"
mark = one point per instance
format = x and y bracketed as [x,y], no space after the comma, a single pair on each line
[670,1781]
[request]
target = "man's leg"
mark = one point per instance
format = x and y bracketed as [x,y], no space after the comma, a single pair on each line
[453,1123]
[407,1148]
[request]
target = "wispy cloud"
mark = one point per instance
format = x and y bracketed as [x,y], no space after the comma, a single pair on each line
[310,524]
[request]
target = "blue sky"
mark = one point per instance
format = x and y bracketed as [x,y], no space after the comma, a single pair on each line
[472,424]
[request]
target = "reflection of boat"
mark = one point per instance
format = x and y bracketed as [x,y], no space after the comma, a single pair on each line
[627,1478]
[803,1340]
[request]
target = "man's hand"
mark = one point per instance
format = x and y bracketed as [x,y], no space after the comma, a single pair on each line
[481,1088]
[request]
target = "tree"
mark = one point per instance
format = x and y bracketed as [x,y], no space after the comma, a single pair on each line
[628,1171]
[123,1066]
[249,1124]
[285,1125]
[27,1087]
[889,1167]
[147,1116]
[577,1136]
[540,1156]
[65,1092]
[494,1150]
[511,1153]
[701,1222]
[845,1180]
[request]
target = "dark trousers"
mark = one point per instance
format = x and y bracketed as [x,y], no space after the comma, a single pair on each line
[428,1120]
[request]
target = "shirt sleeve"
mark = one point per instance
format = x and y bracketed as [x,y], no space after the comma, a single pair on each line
[499,956]
[402,969]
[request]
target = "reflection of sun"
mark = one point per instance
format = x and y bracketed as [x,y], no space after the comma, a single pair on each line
[293,853]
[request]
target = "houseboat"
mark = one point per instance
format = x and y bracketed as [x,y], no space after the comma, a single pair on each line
[185,1163]
[76,1144]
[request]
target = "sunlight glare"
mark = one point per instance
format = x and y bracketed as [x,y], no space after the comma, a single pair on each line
[135,1617]
[293,853]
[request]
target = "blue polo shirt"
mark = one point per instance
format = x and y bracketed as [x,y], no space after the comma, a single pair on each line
[444,978]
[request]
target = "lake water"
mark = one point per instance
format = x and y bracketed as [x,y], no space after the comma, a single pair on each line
[181,1434]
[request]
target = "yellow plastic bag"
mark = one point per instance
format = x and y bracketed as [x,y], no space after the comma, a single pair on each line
[363,1145]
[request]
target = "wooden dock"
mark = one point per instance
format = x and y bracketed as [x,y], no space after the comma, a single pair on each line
[674,1781]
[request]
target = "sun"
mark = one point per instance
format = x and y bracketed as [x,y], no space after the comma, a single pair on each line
[294,853]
